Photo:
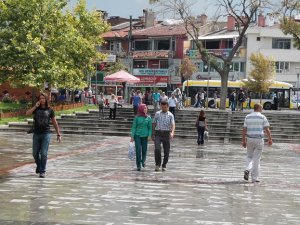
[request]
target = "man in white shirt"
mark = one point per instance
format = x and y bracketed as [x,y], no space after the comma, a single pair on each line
[163,132]
[172,104]
[253,138]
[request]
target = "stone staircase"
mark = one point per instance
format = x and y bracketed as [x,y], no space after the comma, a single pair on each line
[223,125]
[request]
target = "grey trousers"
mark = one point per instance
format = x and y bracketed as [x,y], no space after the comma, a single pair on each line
[254,152]
[164,139]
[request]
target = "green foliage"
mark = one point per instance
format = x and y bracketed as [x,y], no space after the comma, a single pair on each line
[262,75]
[290,8]
[292,27]
[42,42]
[8,99]
[187,68]
[115,67]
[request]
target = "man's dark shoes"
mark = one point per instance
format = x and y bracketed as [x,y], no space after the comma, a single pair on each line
[37,170]
[246,175]
[42,175]
[138,169]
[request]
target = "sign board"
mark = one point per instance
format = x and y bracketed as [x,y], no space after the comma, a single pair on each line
[157,85]
[147,72]
[175,80]
[151,79]
[110,58]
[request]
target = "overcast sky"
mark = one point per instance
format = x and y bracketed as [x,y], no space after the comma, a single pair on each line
[125,8]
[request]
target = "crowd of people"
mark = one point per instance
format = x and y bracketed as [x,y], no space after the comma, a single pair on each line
[160,129]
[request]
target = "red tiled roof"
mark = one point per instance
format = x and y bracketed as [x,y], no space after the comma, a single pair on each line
[116,33]
[160,30]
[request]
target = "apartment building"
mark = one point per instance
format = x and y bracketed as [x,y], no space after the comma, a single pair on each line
[269,40]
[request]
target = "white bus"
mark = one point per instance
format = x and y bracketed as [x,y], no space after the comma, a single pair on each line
[282,90]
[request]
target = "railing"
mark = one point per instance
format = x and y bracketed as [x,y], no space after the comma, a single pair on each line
[194,54]
[152,54]
[117,53]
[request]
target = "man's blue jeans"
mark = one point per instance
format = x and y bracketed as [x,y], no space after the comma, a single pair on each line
[233,105]
[40,150]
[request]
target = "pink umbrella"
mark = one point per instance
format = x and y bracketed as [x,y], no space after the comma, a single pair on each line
[122,76]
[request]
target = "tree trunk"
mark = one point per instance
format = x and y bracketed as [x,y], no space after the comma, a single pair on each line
[260,98]
[187,88]
[224,87]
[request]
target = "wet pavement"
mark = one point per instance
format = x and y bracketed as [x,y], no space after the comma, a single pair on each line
[90,180]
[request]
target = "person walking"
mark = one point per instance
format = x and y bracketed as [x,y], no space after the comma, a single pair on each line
[241,100]
[253,139]
[155,99]
[141,131]
[101,104]
[201,126]
[232,99]
[173,104]
[41,132]
[113,103]
[198,100]
[136,101]
[163,132]
[164,97]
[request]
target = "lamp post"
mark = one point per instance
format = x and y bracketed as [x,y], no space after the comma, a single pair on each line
[207,87]
[154,73]
[298,72]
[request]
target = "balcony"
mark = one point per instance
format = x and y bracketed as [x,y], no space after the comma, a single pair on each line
[194,54]
[121,54]
[152,54]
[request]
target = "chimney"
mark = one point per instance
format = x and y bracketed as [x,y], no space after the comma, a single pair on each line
[149,18]
[230,23]
[203,19]
[261,20]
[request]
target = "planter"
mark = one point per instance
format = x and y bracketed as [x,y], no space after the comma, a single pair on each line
[55,108]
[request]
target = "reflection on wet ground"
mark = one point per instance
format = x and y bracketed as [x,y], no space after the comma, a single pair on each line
[91,181]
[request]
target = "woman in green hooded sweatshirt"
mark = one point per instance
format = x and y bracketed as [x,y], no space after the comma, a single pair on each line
[141,131]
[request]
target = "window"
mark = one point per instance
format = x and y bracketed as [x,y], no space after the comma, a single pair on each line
[140,64]
[163,64]
[161,44]
[257,38]
[236,66]
[173,44]
[142,45]
[242,67]
[115,46]
[281,43]
[212,44]
[282,67]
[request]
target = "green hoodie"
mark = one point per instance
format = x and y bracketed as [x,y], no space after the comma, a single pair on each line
[142,126]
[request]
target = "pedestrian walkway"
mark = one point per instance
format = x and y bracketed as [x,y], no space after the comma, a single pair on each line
[91,181]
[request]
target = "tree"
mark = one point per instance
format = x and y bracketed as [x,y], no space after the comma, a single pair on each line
[43,42]
[289,25]
[242,11]
[187,68]
[114,67]
[261,76]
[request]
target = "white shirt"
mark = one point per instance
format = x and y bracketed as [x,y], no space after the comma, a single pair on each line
[172,102]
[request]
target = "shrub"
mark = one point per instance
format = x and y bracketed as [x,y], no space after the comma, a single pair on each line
[23,101]
[9,99]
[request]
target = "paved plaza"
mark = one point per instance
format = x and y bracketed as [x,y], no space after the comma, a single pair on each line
[90,180]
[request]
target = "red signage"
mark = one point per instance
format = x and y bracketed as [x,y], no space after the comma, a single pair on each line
[150,79]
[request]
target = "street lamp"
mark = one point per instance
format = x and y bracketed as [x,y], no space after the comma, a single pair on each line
[154,80]
[298,71]
[207,87]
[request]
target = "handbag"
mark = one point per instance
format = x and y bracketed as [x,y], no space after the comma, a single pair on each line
[206,135]
[31,129]
[131,151]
